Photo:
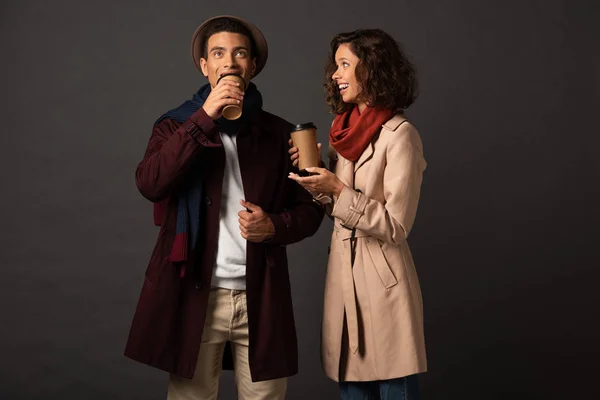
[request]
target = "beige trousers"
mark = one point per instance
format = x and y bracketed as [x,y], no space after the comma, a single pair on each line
[226,321]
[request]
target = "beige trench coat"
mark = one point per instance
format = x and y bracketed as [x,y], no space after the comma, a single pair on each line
[380,296]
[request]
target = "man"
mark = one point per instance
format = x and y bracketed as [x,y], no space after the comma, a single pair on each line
[217,285]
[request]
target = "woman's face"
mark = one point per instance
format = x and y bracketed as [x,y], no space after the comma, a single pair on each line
[345,77]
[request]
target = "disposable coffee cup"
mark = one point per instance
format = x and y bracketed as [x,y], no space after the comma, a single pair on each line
[233,111]
[304,137]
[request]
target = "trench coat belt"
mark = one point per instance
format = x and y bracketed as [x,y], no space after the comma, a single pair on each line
[349,295]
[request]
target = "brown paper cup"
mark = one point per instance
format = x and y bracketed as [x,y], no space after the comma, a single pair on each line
[304,138]
[233,111]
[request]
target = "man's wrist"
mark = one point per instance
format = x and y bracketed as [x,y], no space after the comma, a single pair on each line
[277,226]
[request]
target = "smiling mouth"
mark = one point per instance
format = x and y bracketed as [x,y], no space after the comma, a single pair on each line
[343,87]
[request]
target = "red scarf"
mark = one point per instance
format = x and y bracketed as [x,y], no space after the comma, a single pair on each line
[352,131]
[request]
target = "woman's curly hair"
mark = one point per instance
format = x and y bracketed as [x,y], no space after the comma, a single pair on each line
[387,78]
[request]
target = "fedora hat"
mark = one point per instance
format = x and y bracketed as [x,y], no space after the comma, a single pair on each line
[199,37]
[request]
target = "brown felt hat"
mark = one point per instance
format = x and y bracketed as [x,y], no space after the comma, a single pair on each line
[262,50]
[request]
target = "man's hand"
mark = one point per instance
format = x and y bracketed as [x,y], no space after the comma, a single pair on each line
[255,225]
[225,93]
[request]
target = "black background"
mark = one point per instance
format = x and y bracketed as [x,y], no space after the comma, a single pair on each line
[505,237]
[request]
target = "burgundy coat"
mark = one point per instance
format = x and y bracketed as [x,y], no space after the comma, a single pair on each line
[167,326]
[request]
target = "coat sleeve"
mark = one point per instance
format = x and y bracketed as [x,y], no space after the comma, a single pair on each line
[390,222]
[170,151]
[301,217]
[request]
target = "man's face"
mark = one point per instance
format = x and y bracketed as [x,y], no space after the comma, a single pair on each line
[227,53]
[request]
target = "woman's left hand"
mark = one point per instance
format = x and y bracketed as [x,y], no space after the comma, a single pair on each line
[324,181]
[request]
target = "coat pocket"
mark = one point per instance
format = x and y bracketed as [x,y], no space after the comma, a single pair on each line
[381,265]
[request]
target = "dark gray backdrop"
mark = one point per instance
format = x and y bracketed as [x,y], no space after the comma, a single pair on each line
[504,240]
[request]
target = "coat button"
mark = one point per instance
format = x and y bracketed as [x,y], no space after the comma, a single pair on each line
[208,200]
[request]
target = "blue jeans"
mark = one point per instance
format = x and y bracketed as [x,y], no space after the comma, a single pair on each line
[406,388]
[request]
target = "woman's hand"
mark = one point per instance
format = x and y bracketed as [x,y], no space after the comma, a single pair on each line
[294,152]
[323,181]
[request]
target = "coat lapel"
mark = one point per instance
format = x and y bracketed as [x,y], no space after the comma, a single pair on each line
[347,176]
[349,168]
[366,155]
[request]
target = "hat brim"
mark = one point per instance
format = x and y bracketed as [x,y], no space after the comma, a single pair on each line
[262,50]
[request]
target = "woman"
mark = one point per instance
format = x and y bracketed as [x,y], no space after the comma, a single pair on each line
[372,334]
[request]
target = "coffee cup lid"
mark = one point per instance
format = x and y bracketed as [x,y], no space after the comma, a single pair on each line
[301,127]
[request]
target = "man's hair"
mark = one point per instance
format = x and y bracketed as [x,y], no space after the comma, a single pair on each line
[225,24]
[387,78]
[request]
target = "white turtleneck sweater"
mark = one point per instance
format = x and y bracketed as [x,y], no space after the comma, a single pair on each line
[230,268]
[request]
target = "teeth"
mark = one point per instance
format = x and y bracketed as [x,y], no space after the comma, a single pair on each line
[343,86]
